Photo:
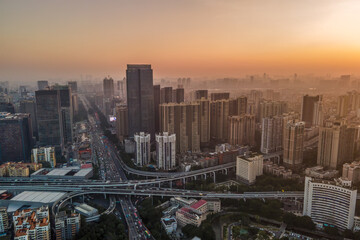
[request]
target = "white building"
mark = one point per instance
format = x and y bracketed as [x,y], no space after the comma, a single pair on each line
[142,148]
[169,224]
[248,167]
[166,151]
[328,203]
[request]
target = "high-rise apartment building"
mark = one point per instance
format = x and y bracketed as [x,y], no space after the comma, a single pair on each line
[183,120]
[108,87]
[122,125]
[165,150]
[44,154]
[248,167]
[343,105]
[271,134]
[73,86]
[42,84]
[327,203]
[29,106]
[351,172]
[318,118]
[178,95]
[201,94]
[140,99]
[204,120]
[293,143]
[219,96]
[166,95]
[4,220]
[142,148]
[67,225]
[66,114]
[242,129]
[308,108]
[336,144]
[271,108]
[241,103]
[219,113]
[15,137]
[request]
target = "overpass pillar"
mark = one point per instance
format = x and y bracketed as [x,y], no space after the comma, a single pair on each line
[205,176]
[195,177]
[184,181]
[170,184]
[105,195]
[159,184]
[226,171]
[83,197]
[214,177]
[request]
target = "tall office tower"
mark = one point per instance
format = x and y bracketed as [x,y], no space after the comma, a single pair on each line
[242,130]
[219,113]
[165,150]
[241,103]
[318,118]
[166,95]
[122,125]
[336,144]
[4,220]
[271,134]
[120,87]
[44,154]
[75,103]
[73,86]
[67,225]
[308,107]
[29,106]
[48,117]
[204,120]
[142,146]
[293,144]
[343,106]
[327,203]
[271,108]
[219,96]
[156,107]
[108,87]
[32,224]
[66,114]
[182,119]
[140,99]
[201,94]
[23,92]
[179,95]
[248,167]
[15,137]
[42,84]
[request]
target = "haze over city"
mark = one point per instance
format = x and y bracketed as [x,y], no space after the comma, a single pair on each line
[198,38]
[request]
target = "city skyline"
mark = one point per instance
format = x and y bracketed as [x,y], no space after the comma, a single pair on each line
[193,38]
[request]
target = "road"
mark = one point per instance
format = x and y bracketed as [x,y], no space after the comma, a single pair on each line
[111,170]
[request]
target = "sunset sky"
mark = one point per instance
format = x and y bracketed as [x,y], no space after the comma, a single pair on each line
[44,39]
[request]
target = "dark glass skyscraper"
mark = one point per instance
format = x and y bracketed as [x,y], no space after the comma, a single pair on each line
[29,106]
[108,86]
[156,107]
[15,137]
[308,107]
[140,99]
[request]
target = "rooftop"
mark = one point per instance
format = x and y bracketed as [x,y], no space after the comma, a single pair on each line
[36,196]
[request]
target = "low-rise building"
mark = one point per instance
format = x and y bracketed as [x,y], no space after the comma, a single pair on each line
[169,224]
[351,171]
[18,169]
[248,167]
[183,201]
[213,204]
[194,214]
[86,210]
[320,173]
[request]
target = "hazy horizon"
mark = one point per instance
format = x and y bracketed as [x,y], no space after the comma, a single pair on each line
[198,38]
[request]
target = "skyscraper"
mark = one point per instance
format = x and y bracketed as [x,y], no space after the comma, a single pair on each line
[241,103]
[204,120]
[165,151]
[29,106]
[108,87]
[336,144]
[293,144]
[66,114]
[42,84]
[156,107]
[343,106]
[15,137]
[242,130]
[140,99]
[122,125]
[308,107]
[179,95]
[182,119]
[73,86]
[201,94]
[271,108]
[142,148]
[271,134]
[219,113]
[219,96]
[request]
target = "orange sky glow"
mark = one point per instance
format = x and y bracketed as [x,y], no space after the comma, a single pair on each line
[213,38]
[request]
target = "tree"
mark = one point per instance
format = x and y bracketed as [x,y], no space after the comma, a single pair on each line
[289,219]
[331,231]
[348,234]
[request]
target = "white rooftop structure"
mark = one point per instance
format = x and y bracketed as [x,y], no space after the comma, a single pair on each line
[38,197]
